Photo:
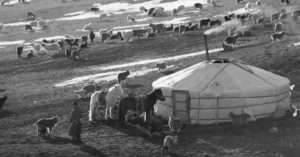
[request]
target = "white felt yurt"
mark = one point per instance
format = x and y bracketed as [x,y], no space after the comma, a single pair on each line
[206,92]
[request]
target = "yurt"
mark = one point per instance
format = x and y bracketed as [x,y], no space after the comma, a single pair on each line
[207,92]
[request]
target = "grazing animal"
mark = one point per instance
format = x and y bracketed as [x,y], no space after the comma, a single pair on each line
[33,23]
[94,9]
[138,32]
[193,27]
[150,11]
[227,47]
[127,35]
[84,45]
[48,41]
[61,43]
[42,24]
[19,51]
[277,36]
[204,22]
[174,124]
[231,31]
[151,35]
[238,1]
[28,27]
[169,142]
[122,76]
[242,16]
[240,120]
[52,47]
[282,16]
[260,20]
[102,16]
[157,27]
[275,16]
[84,38]
[231,39]
[231,15]
[116,35]
[68,53]
[143,9]
[105,36]
[214,3]
[215,22]
[174,12]
[4,1]
[133,116]
[75,54]
[278,27]
[295,15]
[248,6]
[30,15]
[111,97]
[198,5]
[161,66]
[92,36]
[29,55]
[46,123]
[2,101]
[85,90]
[180,8]
[169,28]
[147,102]
[159,11]
[227,18]
[130,18]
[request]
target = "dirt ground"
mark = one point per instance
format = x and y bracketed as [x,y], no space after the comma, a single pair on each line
[29,85]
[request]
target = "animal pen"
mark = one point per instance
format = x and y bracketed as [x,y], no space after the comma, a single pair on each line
[207,92]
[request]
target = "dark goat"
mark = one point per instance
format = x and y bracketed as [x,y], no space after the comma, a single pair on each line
[122,76]
[215,22]
[198,5]
[20,51]
[92,36]
[231,39]
[277,36]
[169,28]
[204,22]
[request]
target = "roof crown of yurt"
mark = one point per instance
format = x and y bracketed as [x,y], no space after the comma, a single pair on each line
[205,93]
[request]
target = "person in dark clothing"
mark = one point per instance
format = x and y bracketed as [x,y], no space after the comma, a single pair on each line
[75,128]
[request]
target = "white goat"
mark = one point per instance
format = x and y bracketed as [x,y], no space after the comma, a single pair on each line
[127,35]
[88,27]
[52,47]
[103,16]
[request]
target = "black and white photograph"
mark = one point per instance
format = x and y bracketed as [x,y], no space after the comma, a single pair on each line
[149,78]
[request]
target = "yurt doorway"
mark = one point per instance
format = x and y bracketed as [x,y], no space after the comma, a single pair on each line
[181,105]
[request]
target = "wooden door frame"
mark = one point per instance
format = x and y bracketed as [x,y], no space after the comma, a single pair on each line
[188,102]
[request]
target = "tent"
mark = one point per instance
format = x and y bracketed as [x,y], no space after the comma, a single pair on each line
[207,92]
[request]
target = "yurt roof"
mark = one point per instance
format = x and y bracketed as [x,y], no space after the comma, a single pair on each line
[225,78]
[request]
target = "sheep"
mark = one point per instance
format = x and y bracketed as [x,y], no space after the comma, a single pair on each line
[75,54]
[282,16]
[88,27]
[159,11]
[52,47]
[275,16]
[127,35]
[30,15]
[28,27]
[295,15]
[227,47]
[130,18]
[215,22]
[4,1]
[157,27]
[260,20]
[169,142]
[198,5]
[161,66]
[277,36]
[143,9]
[151,35]
[138,32]
[239,120]
[116,35]
[174,12]
[180,8]
[29,55]
[150,11]
[85,90]
[248,6]
[102,16]
[84,38]
[204,22]
[193,27]
[227,18]
[94,9]
[278,27]
[42,24]
[181,29]
[169,28]
[105,36]
[19,51]
[175,124]
[231,39]
[238,1]
[92,36]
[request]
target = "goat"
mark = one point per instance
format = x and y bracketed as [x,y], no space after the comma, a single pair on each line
[215,22]
[248,6]
[231,39]
[169,28]
[159,11]
[103,15]
[30,15]
[174,12]
[117,35]
[157,27]
[127,35]
[52,47]
[227,18]
[20,51]
[122,76]
[193,27]
[204,22]
[151,35]
[29,55]
[105,36]
[46,123]
[169,142]
[275,16]
[85,90]
[161,66]
[88,27]
[92,36]
[260,20]
[75,54]
[84,38]
[174,124]
[240,120]
[227,47]
[150,11]
[94,9]
[138,32]
[28,27]
[277,36]
[143,9]
[83,45]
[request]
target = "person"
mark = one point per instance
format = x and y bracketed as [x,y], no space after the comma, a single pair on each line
[75,128]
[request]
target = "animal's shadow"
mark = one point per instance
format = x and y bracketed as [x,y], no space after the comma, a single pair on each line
[57,139]
[168,72]
[91,150]
[5,113]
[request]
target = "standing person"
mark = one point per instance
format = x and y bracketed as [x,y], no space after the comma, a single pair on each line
[75,128]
